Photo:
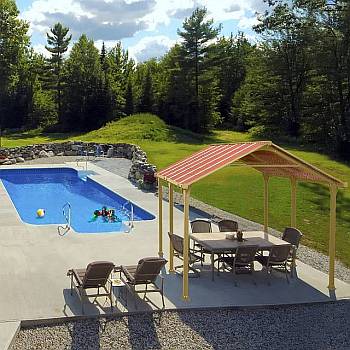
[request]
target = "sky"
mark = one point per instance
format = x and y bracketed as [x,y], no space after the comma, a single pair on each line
[147,28]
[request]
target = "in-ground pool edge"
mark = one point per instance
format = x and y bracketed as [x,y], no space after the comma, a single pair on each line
[94,181]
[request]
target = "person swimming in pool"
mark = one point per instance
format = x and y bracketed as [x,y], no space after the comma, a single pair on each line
[111,215]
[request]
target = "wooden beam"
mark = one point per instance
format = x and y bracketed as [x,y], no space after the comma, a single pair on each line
[266,203]
[186,248]
[293,202]
[160,218]
[331,180]
[175,183]
[332,230]
[171,225]
[265,165]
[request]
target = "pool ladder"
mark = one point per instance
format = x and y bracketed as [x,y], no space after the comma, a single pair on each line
[130,214]
[66,211]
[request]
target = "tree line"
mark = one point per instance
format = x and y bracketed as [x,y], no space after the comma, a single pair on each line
[293,84]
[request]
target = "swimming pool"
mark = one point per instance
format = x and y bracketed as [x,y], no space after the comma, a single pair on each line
[51,188]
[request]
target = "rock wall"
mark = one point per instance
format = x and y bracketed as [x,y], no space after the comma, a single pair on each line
[141,171]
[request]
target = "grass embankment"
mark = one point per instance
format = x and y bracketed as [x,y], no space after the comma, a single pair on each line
[236,190]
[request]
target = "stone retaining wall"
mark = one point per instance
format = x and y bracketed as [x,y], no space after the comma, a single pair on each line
[141,171]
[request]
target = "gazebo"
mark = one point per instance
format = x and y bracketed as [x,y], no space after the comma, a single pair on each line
[264,156]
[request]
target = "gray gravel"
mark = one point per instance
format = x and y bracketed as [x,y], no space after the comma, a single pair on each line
[318,326]
[119,166]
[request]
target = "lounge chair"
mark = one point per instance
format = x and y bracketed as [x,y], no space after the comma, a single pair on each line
[94,276]
[242,261]
[292,236]
[228,226]
[277,258]
[99,151]
[145,273]
[178,246]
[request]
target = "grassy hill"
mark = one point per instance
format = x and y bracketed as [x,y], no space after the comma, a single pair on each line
[236,190]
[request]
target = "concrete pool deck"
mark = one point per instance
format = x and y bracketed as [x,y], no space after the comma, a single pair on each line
[34,261]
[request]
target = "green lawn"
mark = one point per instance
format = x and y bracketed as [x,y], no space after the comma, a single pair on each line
[237,190]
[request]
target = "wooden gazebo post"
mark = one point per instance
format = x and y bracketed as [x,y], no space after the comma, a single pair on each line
[293,202]
[160,218]
[332,229]
[266,203]
[171,226]
[186,248]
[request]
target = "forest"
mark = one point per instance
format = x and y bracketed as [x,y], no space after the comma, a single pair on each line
[292,84]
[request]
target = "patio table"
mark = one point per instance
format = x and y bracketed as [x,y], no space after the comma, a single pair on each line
[216,242]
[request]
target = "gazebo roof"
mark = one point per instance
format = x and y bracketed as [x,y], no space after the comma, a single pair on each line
[263,156]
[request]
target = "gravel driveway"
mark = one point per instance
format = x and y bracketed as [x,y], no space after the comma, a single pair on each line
[318,326]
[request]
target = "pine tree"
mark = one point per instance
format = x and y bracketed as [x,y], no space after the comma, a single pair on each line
[197,33]
[129,98]
[147,98]
[84,93]
[58,43]
[103,59]
[13,45]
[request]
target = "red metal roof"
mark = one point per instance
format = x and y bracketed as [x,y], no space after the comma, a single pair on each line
[264,156]
[207,161]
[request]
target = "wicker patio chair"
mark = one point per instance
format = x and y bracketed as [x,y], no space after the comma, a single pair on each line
[293,236]
[228,226]
[200,226]
[242,261]
[94,276]
[145,273]
[277,259]
[178,245]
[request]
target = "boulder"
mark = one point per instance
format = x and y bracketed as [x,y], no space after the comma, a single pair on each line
[13,161]
[51,154]
[70,153]
[110,152]
[3,161]
[8,162]
[43,154]
[20,160]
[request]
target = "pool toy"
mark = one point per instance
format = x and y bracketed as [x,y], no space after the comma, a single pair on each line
[40,213]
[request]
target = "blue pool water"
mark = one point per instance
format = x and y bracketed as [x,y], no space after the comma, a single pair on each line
[50,189]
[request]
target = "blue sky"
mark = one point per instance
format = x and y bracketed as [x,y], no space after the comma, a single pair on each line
[147,28]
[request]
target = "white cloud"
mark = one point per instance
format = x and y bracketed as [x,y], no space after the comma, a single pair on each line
[104,20]
[112,20]
[151,47]
[40,48]
[240,10]
[247,22]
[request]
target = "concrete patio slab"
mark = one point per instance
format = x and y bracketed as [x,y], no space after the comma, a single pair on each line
[8,332]
[35,260]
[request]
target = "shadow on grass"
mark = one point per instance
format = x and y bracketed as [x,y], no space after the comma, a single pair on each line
[322,200]
[51,137]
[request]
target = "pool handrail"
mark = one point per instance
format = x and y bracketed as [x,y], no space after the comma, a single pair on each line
[67,216]
[131,215]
